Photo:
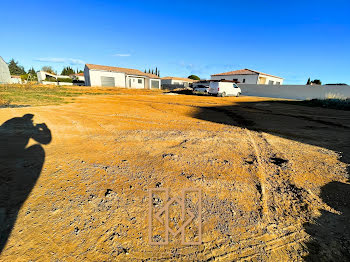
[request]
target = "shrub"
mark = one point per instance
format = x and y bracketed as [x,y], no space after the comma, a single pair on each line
[66,80]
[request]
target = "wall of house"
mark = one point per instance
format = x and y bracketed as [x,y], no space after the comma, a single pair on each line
[300,92]
[87,76]
[135,82]
[5,76]
[249,79]
[270,78]
[175,82]
[166,81]
[93,77]
[16,80]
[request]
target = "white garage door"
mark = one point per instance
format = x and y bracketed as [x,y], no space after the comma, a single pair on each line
[107,81]
[155,84]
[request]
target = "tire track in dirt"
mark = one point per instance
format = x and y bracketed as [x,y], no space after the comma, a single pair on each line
[264,152]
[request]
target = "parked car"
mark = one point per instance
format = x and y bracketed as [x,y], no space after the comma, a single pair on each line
[224,88]
[201,89]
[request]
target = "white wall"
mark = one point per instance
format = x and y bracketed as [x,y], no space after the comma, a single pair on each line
[249,79]
[133,82]
[300,92]
[5,76]
[175,82]
[15,80]
[56,84]
[94,77]
[271,78]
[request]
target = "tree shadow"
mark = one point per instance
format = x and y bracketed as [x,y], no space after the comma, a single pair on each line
[20,167]
[327,128]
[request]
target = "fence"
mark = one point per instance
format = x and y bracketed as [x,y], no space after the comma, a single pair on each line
[300,92]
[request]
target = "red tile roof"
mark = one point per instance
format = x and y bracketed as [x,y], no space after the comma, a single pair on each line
[127,71]
[244,72]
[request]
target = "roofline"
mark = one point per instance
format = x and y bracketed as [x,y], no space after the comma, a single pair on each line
[146,75]
[253,73]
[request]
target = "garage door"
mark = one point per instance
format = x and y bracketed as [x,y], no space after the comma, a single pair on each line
[154,84]
[107,81]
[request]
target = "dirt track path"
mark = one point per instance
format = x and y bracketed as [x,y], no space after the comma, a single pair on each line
[262,168]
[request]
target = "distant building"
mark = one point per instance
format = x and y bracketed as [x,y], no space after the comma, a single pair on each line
[79,77]
[5,77]
[99,75]
[248,76]
[46,78]
[169,80]
[16,79]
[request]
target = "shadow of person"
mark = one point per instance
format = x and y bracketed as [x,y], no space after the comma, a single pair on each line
[330,234]
[20,167]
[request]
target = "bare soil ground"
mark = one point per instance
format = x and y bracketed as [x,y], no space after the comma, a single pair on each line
[273,177]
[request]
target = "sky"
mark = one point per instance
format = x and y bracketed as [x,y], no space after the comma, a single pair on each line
[291,39]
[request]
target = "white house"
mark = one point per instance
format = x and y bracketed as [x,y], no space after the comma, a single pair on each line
[248,76]
[78,77]
[5,77]
[46,78]
[169,80]
[99,75]
[16,79]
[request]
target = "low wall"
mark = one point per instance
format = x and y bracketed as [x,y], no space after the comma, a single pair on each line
[300,92]
[55,83]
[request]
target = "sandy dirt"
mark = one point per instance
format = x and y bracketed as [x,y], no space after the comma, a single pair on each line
[273,178]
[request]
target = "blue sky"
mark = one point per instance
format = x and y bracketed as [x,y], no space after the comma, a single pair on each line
[292,39]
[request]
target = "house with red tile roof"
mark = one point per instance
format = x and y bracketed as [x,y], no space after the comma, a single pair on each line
[248,76]
[110,76]
[170,80]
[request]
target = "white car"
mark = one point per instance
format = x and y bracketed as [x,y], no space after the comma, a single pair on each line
[201,89]
[224,88]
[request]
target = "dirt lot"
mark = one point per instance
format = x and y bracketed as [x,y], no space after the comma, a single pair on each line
[273,177]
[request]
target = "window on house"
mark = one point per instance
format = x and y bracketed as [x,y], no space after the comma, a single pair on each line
[235,80]
[133,80]
[271,82]
[140,81]
[243,80]
[278,83]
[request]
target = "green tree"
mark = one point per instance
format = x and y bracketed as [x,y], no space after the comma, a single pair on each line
[194,77]
[308,81]
[16,69]
[67,71]
[317,82]
[47,69]
[32,71]
[156,73]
